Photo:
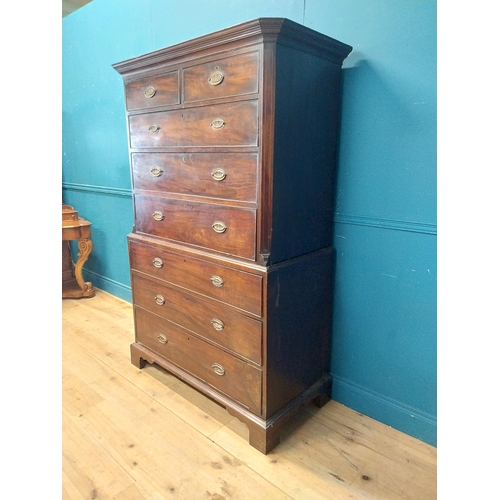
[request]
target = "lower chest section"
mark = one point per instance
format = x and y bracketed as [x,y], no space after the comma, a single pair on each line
[203,316]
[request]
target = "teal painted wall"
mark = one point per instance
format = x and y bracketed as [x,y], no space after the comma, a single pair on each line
[384,331]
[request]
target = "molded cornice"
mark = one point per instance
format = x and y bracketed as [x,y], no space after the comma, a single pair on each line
[265,29]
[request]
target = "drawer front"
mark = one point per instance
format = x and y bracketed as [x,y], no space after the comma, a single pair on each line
[219,369]
[233,124]
[152,92]
[210,319]
[226,229]
[225,175]
[237,288]
[230,76]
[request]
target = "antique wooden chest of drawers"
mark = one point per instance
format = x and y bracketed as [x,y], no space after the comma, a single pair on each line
[232,141]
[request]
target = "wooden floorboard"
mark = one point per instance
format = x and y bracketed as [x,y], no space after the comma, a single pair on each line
[132,434]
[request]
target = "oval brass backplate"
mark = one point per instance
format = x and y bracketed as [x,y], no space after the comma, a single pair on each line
[217,124]
[217,324]
[219,369]
[157,262]
[159,299]
[219,227]
[162,339]
[216,281]
[218,174]
[156,171]
[150,92]
[158,215]
[216,78]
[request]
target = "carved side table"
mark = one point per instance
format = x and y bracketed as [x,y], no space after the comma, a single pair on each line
[75,228]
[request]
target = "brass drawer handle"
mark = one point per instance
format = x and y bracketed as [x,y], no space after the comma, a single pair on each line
[219,227]
[218,174]
[217,124]
[219,369]
[156,171]
[162,339]
[160,299]
[154,128]
[157,262]
[216,77]
[149,92]
[216,281]
[158,215]
[217,324]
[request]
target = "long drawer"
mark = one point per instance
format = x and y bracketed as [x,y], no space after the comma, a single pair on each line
[226,373]
[230,124]
[212,320]
[237,288]
[219,175]
[222,228]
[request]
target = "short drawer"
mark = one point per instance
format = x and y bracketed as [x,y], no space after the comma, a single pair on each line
[162,90]
[226,229]
[231,124]
[236,288]
[224,77]
[226,373]
[219,175]
[207,318]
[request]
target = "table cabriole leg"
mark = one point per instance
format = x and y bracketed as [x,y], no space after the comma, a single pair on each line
[85,246]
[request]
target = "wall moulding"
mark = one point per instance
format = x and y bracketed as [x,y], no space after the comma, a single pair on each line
[88,188]
[395,224]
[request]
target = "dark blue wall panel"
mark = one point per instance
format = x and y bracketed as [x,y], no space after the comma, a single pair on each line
[384,335]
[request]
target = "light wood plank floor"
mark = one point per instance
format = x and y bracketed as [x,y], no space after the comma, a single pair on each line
[132,434]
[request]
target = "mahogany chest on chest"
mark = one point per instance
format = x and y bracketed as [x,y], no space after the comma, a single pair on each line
[232,141]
